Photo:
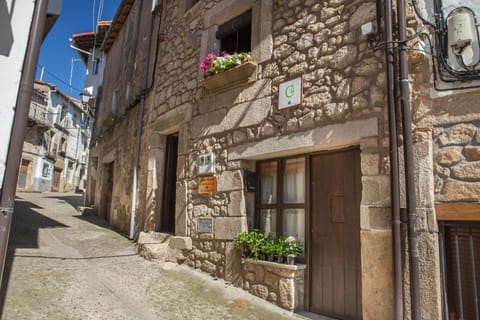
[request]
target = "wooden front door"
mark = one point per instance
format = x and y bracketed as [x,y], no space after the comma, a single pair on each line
[167,218]
[107,190]
[57,176]
[335,279]
[23,174]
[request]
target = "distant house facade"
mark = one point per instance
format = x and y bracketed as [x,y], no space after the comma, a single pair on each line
[88,47]
[293,142]
[56,143]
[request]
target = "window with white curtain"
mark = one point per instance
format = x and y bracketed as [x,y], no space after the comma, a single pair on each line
[281,198]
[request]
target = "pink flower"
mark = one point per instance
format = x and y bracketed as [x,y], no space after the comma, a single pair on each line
[291,239]
[204,66]
[223,53]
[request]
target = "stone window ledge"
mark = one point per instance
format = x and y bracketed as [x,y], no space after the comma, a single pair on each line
[240,74]
[278,283]
[269,264]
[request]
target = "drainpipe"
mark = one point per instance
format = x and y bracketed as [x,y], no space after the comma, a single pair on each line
[138,141]
[394,175]
[7,196]
[409,172]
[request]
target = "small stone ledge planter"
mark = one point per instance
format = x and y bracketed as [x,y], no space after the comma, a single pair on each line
[281,284]
[240,74]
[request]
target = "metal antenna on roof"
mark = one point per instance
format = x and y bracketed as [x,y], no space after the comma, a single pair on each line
[71,76]
[42,72]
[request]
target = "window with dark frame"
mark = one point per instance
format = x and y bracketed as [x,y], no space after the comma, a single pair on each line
[46,170]
[281,198]
[96,65]
[63,112]
[460,256]
[235,35]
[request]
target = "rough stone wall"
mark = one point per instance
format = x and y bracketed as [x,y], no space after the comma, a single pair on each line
[117,146]
[453,116]
[117,111]
[446,168]
[457,162]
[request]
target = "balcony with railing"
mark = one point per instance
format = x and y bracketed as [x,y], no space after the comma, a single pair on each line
[38,115]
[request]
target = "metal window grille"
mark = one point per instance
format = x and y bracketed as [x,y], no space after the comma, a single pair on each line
[460,266]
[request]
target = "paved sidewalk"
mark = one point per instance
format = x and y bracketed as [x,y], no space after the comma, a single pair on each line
[64,265]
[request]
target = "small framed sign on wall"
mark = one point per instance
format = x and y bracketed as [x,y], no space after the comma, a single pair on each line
[290,93]
[204,225]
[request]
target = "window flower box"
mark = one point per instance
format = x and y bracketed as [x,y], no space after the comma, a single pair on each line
[230,77]
[226,69]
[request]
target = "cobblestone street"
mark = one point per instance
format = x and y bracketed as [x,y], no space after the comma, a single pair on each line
[65,265]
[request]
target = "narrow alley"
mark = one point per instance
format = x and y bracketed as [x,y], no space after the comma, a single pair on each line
[65,265]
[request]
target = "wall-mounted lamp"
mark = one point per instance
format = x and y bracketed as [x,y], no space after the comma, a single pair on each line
[369,29]
[85,97]
[463,41]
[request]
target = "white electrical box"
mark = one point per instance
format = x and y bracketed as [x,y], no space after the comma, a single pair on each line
[206,164]
[460,29]
[367,28]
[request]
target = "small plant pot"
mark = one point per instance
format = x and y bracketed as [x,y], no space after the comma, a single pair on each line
[280,259]
[246,253]
[290,260]
[270,258]
[262,257]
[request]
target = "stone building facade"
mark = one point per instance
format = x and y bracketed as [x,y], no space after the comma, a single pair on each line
[321,170]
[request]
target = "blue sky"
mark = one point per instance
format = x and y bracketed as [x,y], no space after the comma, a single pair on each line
[56,54]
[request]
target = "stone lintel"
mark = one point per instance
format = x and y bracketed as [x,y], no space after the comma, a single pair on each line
[323,138]
[273,264]
[170,121]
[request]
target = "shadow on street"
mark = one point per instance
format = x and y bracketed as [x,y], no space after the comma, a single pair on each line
[89,215]
[73,200]
[26,222]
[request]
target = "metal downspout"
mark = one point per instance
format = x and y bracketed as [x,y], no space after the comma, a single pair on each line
[7,197]
[394,172]
[139,128]
[409,172]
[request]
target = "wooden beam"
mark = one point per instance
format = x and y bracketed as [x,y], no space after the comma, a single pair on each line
[458,211]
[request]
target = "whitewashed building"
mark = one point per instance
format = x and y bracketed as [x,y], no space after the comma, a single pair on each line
[56,143]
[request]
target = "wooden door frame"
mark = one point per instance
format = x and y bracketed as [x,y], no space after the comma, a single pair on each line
[27,173]
[167,188]
[54,185]
[308,215]
[307,205]
[106,178]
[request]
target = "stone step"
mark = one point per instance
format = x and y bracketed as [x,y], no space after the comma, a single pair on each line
[161,246]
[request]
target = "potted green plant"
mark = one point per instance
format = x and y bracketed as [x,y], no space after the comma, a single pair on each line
[293,248]
[250,243]
[269,249]
[241,241]
[261,254]
[280,249]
